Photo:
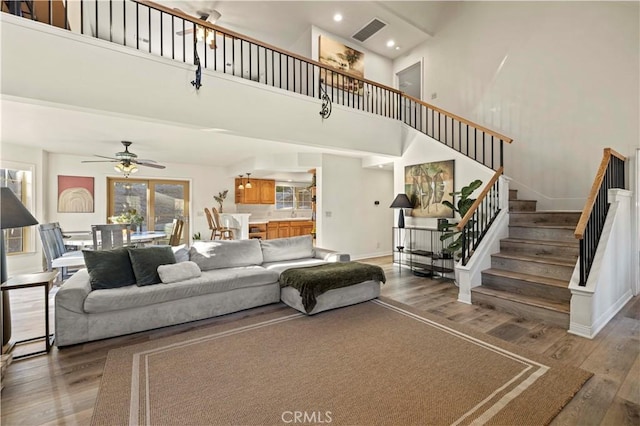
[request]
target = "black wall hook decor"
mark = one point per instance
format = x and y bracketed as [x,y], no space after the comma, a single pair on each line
[197,83]
[325,111]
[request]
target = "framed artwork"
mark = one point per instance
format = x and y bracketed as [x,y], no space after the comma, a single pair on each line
[75,194]
[429,184]
[342,58]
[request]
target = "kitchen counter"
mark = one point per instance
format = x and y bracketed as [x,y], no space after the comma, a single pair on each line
[282,219]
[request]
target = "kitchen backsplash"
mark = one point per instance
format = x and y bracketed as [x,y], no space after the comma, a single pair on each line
[268,211]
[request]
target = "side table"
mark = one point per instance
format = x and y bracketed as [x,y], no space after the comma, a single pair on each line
[39,279]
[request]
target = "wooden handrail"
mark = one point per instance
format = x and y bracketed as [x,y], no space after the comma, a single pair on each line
[597,182]
[476,203]
[463,120]
[179,14]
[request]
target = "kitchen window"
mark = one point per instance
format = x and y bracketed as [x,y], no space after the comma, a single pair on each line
[293,196]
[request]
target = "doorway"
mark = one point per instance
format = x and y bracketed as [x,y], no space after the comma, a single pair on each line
[410,82]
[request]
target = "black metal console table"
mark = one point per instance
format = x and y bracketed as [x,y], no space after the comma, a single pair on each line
[423,252]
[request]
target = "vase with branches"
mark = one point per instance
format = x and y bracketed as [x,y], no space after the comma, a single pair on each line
[220,198]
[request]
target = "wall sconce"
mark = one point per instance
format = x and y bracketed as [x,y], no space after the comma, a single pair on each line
[245,185]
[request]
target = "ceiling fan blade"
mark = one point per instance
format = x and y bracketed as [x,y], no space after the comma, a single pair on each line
[185,32]
[154,165]
[104,156]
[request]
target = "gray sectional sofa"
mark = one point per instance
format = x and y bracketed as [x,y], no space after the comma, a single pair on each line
[230,276]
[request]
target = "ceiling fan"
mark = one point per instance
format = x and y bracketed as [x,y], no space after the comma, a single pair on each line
[127,161]
[211,16]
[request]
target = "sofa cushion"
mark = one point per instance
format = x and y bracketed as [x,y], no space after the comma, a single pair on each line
[283,265]
[109,268]
[214,281]
[180,271]
[225,254]
[145,262]
[287,248]
[181,253]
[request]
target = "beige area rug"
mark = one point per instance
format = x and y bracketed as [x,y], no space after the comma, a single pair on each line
[376,363]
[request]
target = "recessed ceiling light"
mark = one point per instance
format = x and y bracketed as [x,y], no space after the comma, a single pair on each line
[337,17]
[391,43]
[397,47]
[380,165]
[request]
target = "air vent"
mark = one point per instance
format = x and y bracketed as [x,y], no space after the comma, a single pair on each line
[370,29]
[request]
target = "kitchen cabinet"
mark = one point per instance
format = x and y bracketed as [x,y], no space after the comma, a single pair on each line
[272,230]
[262,191]
[258,230]
[286,228]
[300,227]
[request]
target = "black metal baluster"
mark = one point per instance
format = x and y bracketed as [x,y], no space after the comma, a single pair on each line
[110,20]
[124,21]
[97,30]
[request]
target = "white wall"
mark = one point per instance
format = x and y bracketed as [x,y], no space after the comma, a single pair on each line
[348,219]
[560,78]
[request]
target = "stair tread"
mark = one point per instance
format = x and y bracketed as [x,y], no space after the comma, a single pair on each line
[537,259]
[540,225]
[543,242]
[527,277]
[527,300]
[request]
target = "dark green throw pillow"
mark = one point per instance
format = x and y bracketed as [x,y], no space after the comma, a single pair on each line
[109,268]
[145,262]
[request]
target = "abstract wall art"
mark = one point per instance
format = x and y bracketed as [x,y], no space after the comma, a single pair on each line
[427,185]
[75,194]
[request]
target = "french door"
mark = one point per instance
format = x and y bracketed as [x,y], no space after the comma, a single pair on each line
[158,201]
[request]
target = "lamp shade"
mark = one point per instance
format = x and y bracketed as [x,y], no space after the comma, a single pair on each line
[13,214]
[401,201]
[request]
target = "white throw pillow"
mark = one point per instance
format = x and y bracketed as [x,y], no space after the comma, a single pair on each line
[181,252]
[180,271]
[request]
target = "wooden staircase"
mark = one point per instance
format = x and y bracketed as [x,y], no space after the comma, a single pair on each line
[530,275]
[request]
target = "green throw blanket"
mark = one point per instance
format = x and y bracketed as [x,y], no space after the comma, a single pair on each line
[312,281]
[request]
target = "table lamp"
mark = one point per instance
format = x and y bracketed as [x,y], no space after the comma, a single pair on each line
[402,202]
[13,214]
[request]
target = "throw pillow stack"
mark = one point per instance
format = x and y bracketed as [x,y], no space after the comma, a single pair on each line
[125,266]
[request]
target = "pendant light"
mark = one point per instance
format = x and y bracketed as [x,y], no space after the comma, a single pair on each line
[241,186]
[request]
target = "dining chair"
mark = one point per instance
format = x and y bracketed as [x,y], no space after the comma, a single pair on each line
[113,235]
[176,232]
[212,225]
[223,232]
[55,252]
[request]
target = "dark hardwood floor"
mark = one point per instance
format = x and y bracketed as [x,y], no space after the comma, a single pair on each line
[61,388]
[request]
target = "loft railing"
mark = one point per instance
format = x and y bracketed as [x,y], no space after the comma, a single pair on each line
[476,222]
[610,175]
[471,139]
[170,33]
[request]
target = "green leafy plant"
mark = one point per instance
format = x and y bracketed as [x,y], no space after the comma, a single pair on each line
[128,216]
[220,198]
[462,207]
[197,236]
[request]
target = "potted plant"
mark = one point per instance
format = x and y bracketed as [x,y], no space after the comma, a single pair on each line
[462,207]
[220,198]
[129,216]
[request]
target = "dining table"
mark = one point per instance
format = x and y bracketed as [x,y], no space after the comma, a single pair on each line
[85,240]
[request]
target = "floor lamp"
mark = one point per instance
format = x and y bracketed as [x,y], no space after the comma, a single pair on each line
[13,214]
[402,202]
